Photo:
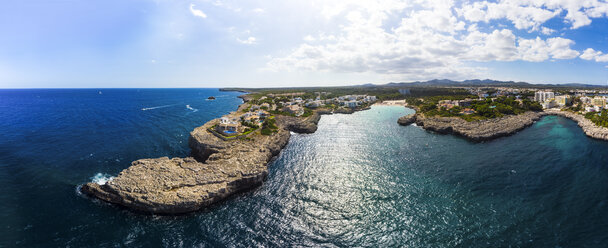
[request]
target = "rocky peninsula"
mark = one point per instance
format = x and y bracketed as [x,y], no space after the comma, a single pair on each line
[215,170]
[489,129]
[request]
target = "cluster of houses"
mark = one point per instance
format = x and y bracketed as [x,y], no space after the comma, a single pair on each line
[296,105]
[593,104]
[548,99]
[230,125]
[499,91]
[256,114]
[448,104]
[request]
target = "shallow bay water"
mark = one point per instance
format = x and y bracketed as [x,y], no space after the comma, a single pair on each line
[360,180]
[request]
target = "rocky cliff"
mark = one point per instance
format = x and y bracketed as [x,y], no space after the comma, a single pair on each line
[479,130]
[216,170]
[498,127]
[299,125]
[407,119]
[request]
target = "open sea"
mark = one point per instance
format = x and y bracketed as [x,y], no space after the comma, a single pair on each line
[360,180]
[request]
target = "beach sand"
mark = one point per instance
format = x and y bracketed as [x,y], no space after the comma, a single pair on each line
[391,103]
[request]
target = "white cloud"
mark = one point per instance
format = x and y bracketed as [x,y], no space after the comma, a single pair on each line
[429,40]
[546,31]
[530,14]
[309,38]
[258,10]
[197,12]
[591,54]
[559,48]
[249,41]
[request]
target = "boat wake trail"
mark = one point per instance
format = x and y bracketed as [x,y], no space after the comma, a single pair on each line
[191,108]
[157,107]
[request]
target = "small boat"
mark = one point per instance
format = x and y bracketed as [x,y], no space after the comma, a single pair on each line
[211,98]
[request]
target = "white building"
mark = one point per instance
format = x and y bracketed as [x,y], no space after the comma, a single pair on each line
[542,96]
[351,104]
[549,104]
[586,100]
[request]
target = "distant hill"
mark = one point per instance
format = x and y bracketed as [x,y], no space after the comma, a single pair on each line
[434,83]
[486,82]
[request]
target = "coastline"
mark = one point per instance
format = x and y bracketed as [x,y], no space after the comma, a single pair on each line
[215,170]
[490,129]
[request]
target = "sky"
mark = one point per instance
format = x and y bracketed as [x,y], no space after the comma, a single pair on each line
[260,43]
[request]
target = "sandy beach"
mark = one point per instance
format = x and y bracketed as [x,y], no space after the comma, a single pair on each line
[391,103]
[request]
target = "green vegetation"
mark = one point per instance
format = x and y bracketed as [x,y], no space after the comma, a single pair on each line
[249,124]
[600,119]
[484,109]
[381,92]
[269,127]
[280,112]
[307,112]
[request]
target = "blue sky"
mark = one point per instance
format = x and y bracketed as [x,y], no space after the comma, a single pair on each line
[215,43]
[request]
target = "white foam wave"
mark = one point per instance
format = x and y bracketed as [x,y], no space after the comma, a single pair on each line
[157,107]
[101,178]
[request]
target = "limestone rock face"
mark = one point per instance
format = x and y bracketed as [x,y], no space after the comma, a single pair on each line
[344,111]
[407,119]
[479,130]
[299,125]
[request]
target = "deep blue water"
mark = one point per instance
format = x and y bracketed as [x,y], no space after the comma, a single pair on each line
[360,180]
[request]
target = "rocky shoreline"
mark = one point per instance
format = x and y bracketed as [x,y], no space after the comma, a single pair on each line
[589,128]
[216,170]
[407,119]
[489,129]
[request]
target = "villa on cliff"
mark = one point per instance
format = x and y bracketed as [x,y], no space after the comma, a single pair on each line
[228,126]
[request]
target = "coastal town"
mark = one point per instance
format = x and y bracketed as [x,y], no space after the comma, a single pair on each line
[260,113]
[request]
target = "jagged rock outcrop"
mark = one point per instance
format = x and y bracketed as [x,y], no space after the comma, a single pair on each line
[479,130]
[407,119]
[300,125]
[344,111]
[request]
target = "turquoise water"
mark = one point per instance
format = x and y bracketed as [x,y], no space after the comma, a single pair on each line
[360,180]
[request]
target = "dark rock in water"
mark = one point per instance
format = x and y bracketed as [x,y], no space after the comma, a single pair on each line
[407,120]
[211,98]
